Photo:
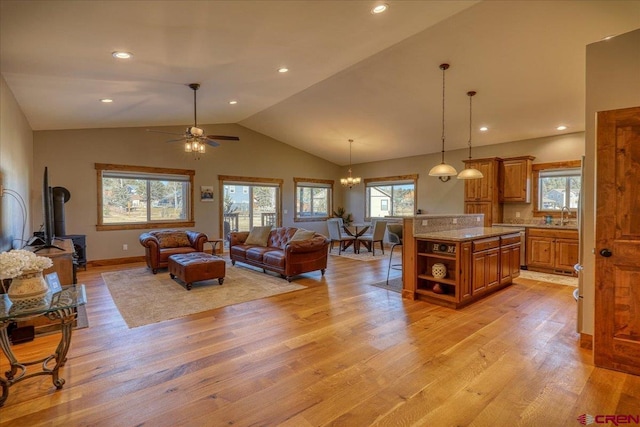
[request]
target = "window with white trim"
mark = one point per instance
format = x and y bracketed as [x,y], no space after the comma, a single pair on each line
[558,188]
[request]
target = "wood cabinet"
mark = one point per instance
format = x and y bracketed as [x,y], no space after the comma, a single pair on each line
[515,177]
[474,268]
[483,195]
[486,254]
[552,250]
[62,260]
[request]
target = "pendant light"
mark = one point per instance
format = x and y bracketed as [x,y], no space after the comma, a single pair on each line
[470,173]
[350,181]
[443,171]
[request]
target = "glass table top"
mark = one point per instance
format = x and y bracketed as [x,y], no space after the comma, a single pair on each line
[70,297]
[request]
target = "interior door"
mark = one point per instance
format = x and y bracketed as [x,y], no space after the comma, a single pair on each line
[617,290]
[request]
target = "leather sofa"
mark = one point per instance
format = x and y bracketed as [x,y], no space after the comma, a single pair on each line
[161,244]
[281,255]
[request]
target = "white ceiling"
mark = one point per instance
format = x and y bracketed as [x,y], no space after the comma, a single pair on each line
[372,78]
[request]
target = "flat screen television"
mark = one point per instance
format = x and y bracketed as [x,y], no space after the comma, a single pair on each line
[47,208]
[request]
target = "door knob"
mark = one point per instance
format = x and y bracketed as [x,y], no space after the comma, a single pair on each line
[578,267]
[606,253]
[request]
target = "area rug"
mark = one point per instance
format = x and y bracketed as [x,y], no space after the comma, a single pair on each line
[395,285]
[551,278]
[364,255]
[144,298]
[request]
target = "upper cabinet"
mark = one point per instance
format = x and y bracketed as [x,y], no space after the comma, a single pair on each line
[515,177]
[483,195]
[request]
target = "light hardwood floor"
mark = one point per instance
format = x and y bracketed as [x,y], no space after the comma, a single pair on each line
[340,352]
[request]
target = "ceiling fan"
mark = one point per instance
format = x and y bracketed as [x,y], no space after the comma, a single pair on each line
[194,138]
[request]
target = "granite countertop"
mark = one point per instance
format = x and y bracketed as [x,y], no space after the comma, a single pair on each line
[465,234]
[569,226]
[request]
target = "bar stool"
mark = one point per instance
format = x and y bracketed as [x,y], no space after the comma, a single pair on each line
[395,238]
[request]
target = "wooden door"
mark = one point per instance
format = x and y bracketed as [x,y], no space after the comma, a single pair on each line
[617,277]
[493,267]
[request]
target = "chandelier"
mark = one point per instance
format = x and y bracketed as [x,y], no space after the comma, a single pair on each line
[350,181]
[443,171]
[470,173]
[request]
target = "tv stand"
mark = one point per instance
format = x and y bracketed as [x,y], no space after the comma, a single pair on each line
[41,247]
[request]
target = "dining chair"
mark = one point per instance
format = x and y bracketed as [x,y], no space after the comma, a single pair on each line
[394,232]
[337,235]
[377,235]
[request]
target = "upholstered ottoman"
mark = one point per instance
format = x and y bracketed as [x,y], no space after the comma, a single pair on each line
[196,266]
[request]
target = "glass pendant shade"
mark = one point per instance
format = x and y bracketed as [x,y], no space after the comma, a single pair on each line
[470,173]
[443,169]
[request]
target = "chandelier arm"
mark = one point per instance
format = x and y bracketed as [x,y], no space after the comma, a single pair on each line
[443,73]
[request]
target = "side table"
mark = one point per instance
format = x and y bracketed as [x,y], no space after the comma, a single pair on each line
[60,306]
[214,245]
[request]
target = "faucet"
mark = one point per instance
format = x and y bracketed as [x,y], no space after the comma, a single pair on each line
[563,220]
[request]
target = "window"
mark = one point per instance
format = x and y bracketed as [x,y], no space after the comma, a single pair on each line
[257,202]
[395,196]
[131,197]
[313,199]
[556,185]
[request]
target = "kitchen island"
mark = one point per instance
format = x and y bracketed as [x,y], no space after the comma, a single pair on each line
[458,264]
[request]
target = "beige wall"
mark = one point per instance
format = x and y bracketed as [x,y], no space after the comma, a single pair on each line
[436,197]
[16,152]
[70,156]
[613,82]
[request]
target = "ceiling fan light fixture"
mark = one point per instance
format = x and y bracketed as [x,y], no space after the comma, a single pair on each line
[443,169]
[195,131]
[470,173]
[187,147]
[379,8]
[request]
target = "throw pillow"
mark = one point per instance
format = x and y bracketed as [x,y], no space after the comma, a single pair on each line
[302,234]
[173,239]
[258,236]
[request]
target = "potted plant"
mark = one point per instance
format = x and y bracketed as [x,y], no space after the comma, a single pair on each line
[347,218]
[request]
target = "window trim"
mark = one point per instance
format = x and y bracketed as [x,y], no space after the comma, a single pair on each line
[539,167]
[391,180]
[102,167]
[326,183]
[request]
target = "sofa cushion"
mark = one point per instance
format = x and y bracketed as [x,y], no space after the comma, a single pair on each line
[172,239]
[258,236]
[274,259]
[256,253]
[302,234]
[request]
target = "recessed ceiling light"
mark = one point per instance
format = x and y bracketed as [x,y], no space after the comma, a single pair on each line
[283,69]
[561,127]
[609,37]
[122,55]
[380,8]
[484,129]
[106,100]
[233,102]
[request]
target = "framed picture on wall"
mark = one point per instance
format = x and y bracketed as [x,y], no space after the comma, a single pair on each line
[206,193]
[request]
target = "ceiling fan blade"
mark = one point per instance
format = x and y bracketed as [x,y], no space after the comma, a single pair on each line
[176,140]
[223,137]
[211,142]
[161,131]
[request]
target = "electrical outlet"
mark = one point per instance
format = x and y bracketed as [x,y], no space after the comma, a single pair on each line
[285,211]
[425,222]
[478,219]
[455,220]
[517,214]
[125,247]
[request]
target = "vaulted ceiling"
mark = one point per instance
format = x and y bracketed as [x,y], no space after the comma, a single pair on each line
[352,74]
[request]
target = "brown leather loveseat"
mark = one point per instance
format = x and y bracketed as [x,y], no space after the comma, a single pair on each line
[281,254]
[161,244]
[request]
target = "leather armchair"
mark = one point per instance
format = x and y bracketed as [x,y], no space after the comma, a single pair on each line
[161,244]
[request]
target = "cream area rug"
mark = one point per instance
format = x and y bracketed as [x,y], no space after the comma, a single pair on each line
[551,278]
[364,255]
[144,298]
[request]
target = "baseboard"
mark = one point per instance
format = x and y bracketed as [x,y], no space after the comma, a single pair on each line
[114,261]
[586,341]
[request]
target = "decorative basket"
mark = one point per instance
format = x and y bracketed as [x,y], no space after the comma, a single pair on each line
[439,270]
